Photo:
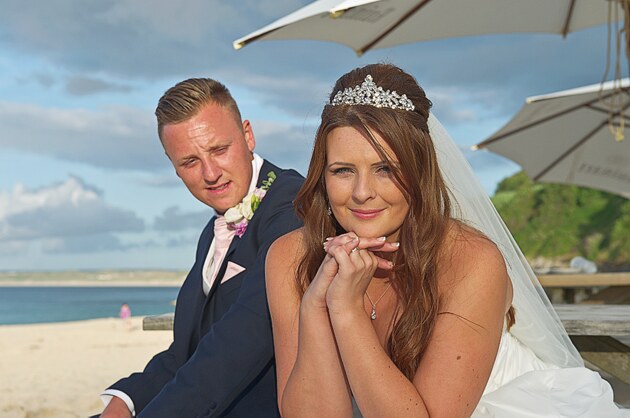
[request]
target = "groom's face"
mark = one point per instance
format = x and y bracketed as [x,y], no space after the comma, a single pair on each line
[212,154]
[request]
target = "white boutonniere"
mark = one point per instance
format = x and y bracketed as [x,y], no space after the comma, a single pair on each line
[239,216]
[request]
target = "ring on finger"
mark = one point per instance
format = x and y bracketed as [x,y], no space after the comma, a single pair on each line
[354,249]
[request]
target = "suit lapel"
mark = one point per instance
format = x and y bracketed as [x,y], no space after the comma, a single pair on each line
[205,252]
[199,301]
[223,267]
[264,171]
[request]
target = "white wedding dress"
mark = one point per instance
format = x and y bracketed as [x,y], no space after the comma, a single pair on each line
[522,385]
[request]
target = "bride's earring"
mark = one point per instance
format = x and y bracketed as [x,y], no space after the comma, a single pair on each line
[329,211]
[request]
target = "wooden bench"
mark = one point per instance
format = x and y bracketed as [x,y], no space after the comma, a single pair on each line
[595,320]
[594,329]
[572,287]
[162,322]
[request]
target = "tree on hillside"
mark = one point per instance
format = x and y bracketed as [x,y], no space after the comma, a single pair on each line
[561,221]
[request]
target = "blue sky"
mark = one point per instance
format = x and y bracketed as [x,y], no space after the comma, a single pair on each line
[84,183]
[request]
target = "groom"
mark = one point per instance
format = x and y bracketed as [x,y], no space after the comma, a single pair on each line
[221,360]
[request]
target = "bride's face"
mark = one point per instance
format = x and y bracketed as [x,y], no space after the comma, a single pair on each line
[363,193]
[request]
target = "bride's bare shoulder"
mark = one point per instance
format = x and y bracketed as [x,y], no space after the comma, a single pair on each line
[285,252]
[472,275]
[289,244]
[467,253]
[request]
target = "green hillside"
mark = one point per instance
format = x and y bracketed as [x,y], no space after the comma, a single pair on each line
[560,221]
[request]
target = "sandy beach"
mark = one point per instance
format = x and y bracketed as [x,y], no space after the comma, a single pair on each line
[58,370]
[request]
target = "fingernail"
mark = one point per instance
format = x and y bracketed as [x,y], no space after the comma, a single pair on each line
[381,238]
[390,264]
[396,244]
[328,239]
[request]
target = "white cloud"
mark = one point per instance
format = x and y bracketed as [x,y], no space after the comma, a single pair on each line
[13,248]
[160,181]
[285,145]
[173,219]
[114,137]
[82,86]
[136,38]
[302,95]
[61,213]
[448,103]
[82,244]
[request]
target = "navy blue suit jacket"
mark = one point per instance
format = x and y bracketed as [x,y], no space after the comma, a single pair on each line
[221,360]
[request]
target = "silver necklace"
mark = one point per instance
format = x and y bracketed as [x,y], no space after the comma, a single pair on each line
[373,314]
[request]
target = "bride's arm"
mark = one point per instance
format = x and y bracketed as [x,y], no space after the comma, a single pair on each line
[311,381]
[457,363]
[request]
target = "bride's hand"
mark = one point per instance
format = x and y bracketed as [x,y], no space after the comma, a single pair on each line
[357,264]
[354,273]
[315,295]
[364,243]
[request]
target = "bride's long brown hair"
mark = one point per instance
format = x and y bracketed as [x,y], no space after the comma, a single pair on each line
[422,233]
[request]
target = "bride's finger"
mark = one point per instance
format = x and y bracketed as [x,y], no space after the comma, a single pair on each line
[372,244]
[370,261]
[369,257]
[357,261]
[340,239]
[378,244]
[348,242]
[352,246]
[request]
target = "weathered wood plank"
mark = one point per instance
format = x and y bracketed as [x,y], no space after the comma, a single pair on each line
[607,353]
[158,322]
[612,320]
[585,280]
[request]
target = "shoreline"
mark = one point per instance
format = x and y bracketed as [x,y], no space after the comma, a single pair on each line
[135,319]
[90,283]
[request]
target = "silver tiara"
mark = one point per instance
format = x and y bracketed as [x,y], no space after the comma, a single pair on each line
[368,93]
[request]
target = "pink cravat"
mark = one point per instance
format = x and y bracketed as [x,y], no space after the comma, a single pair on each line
[222,239]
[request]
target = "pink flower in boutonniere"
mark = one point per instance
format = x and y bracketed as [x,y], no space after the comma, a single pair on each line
[239,216]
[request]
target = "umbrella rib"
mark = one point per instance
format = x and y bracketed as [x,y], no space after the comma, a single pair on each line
[575,146]
[406,16]
[606,111]
[543,120]
[565,28]
[570,150]
[255,38]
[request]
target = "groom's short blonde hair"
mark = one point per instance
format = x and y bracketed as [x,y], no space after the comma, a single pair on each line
[185,99]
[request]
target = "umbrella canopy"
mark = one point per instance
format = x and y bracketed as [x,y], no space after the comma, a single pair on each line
[367,24]
[565,137]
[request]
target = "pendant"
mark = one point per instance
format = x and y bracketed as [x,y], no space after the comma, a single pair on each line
[373,314]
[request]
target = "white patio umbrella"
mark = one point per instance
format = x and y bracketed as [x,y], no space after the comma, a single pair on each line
[564,137]
[368,24]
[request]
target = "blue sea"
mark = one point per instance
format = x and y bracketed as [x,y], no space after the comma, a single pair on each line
[37,304]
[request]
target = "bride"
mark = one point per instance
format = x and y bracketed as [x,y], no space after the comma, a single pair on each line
[404,294]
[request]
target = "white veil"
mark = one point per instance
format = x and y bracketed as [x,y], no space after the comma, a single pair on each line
[537,324]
